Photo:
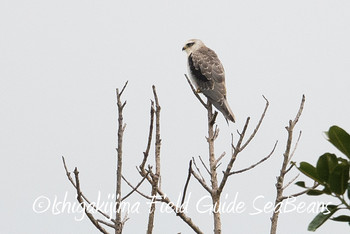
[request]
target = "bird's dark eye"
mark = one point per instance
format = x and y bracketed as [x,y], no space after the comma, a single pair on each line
[190,44]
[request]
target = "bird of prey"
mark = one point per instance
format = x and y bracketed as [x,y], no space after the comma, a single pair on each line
[208,75]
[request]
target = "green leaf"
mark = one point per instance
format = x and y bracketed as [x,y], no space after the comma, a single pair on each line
[339,178]
[331,207]
[321,218]
[325,165]
[310,171]
[349,190]
[315,192]
[340,139]
[342,218]
[301,184]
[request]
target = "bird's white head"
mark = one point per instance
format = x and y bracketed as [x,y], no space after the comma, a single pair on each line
[192,45]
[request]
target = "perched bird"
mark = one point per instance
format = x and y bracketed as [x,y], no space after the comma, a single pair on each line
[208,75]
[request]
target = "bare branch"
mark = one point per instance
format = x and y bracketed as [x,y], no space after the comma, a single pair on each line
[82,204]
[233,148]
[106,223]
[219,158]
[134,189]
[194,162]
[233,157]
[121,92]
[176,210]
[196,93]
[217,166]
[187,182]
[290,182]
[295,147]
[300,111]
[201,181]
[301,193]
[121,129]
[286,158]
[258,125]
[200,158]
[254,165]
[179,212]
[125,219]
[158,140]
[145,154]
[289,168]
[82,195]
[155,178]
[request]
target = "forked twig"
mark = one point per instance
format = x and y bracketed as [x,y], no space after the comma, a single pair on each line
[257,126]
[82,195]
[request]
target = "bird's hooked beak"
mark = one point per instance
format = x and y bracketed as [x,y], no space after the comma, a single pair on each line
[184,48]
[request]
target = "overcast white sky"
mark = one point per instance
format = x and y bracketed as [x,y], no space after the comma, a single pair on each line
[60,62]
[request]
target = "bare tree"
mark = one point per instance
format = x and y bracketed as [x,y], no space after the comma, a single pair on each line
[116,223]
[152,174]
[287,157]
[157,195]
[217,185]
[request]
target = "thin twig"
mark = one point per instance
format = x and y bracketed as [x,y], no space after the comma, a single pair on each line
[200,158]
[217,166]
[121,92]
[295,147]
[289,168]
[257,126]
[300,193]
[233,157]
[180,213]
[300,110]
[134,189]
[105,223]
[202,182]
[145,154]
[194,162]
[82,195]
[219,158]
[82,204]
[233,148]
[254,165]
[187,182]
[290,182]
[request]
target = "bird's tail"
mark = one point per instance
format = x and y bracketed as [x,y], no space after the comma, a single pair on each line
[225,109]
[228,112]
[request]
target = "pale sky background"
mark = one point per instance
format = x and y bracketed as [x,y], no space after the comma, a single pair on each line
[60,62]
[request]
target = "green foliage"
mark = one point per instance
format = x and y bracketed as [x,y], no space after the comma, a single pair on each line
[340,139]
[321,218]
[332,173]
